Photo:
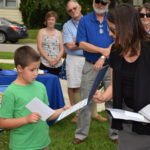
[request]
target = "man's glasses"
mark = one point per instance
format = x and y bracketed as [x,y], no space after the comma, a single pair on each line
[73,9]
[142,15]
[100,1]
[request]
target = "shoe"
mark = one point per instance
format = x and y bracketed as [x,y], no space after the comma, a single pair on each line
[77,141]
[100,118]
[75,119]
[115,141]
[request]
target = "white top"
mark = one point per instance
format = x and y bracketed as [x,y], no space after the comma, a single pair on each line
[50,46]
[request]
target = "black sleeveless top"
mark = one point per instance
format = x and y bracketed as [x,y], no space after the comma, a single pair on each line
[128,71]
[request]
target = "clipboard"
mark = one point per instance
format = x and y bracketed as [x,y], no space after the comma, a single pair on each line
[97,82]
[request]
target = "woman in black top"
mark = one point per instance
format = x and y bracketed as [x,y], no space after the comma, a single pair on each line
[130,68]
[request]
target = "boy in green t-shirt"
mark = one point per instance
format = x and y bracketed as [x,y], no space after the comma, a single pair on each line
[27,132]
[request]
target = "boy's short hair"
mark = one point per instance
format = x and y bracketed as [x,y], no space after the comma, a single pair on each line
[25,55]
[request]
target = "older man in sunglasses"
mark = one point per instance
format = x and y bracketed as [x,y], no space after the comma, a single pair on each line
[93,37]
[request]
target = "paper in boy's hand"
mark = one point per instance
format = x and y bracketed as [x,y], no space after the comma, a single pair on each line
[74,108]
[38,106]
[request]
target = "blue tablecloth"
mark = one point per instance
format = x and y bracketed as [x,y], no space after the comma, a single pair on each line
[51,83]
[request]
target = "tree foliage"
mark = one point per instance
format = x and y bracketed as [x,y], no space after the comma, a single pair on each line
[33,11]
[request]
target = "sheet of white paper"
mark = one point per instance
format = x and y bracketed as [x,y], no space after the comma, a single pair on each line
[145,111]
[127,115]
[74,108]
[38,106]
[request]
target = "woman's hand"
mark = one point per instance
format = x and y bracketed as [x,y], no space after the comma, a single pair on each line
[99,64]
[106,51]
[52,61]
[98,97]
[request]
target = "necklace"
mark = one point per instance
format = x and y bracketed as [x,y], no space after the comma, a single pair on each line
[101,31]
[75,24]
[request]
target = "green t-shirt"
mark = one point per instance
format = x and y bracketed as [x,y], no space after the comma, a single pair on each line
[31,136]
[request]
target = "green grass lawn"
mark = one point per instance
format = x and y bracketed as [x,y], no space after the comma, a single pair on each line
[6,55]
[62,134]
[6,66]
[32,35]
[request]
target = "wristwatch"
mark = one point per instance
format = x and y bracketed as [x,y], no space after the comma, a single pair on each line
[103,57]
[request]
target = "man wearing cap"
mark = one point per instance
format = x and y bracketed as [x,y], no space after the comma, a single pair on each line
[93,37]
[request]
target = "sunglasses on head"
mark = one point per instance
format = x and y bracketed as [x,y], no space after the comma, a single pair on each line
[100,1]
[142,15]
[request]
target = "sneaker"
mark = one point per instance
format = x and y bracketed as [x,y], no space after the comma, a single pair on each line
[115,141]
[100,118]
[77,141]
[75,119]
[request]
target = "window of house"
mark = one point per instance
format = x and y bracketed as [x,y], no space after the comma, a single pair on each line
[7,3]
[1,3]
[10,3]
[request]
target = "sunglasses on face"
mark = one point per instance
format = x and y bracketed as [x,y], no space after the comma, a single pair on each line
[71,10]
[142,15]
[100,1]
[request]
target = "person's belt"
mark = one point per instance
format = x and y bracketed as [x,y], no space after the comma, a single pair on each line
[89,61]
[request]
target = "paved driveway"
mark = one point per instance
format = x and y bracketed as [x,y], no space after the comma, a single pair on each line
[12,47]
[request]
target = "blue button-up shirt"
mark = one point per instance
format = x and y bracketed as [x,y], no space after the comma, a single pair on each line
[69,35]
[88,31]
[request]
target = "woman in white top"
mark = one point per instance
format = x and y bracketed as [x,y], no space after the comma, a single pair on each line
[50,45]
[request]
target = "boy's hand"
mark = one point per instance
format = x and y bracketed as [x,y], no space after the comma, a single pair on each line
[67,107]
[33,117]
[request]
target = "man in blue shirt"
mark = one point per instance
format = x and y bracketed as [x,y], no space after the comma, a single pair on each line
[93,37]
[74,59]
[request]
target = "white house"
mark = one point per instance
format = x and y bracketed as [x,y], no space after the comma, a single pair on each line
[10,9]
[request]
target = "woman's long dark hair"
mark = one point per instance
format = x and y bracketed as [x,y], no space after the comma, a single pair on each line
[146,6]
[129,29]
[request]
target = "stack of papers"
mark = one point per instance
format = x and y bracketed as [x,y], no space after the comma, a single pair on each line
[40,72]
[145,111]
[127,115]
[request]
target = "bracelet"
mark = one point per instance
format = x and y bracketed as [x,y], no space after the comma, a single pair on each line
[103,57]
